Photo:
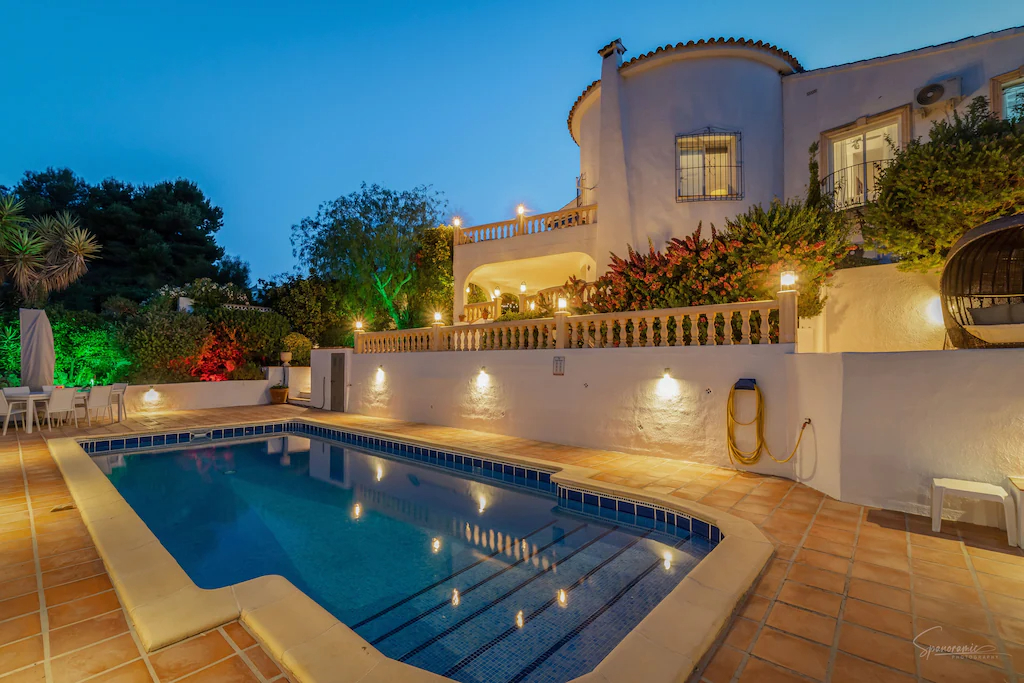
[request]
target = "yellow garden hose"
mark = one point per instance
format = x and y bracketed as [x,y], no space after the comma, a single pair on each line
[751,457]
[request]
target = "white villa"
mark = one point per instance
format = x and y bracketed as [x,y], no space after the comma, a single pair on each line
[699,131]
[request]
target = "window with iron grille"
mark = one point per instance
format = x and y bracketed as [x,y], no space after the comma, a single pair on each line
[709,166]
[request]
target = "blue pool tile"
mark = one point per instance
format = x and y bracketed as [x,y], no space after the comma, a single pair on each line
[102,446]
[116,444]
[145,441]
[575,496]
[700,528]
[259,429]
[716,534]
[607,503]
[590,499]
[644,511]
[131,443]
[545,477]
[217,433]
[170,438]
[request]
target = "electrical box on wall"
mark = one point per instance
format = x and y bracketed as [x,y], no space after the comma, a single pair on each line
[558,365]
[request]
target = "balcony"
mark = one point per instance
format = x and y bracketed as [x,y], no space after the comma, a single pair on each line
[855,185]
[527,225]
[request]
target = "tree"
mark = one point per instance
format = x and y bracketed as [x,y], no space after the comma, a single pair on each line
[152,235]
[310,304]
[366,241]
[969,171]
[42,254]
[433,285]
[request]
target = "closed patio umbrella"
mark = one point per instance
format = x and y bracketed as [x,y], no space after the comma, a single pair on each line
[37,356]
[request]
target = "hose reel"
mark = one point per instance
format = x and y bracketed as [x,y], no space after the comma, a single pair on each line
[736,454]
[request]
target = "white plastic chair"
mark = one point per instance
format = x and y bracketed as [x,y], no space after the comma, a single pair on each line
[99,399]
[119,389]
[10,408]
[60,404]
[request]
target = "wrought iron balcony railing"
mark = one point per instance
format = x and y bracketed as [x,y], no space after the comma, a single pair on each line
[855,185]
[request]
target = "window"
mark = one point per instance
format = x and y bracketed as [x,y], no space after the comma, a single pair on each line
[854,156]
[1007,94]
[709,166]
[1013,100]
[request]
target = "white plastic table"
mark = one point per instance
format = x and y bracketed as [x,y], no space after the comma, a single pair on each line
[34,396]
[978,491]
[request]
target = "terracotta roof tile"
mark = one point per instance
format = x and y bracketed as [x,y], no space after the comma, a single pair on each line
[745,42]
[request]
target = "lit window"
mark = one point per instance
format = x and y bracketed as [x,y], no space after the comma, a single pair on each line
[709,165]
[856,160]
[1013,100]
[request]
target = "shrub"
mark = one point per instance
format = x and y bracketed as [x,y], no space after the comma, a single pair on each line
[247,371]
[310,304]
[164,345]
[300,346]
[969,171]
[206,294]
[257,333]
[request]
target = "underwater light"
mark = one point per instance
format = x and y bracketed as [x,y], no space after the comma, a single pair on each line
[435,544]
[668,560]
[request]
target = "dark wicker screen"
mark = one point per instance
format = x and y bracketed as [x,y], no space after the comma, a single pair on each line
[709,166]
[983,282]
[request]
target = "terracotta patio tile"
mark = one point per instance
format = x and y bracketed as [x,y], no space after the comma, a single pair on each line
[68,559]
[1003,604]
[1006,570]
[943,543]
[183,658]
[232,670]
[94,659]
[34,674]
[73,573]
[85,608]
[819,578]
[741,633]
[953,670]
[17,571]
[944,590]
[77,589]
[883,575]
[935,634]
[821,545]
[262,661]
[21,653]
[849,669]
[1011,629]
[723,665]
[793,653]
[19,627]
[824,561]
[876,593]
[964,616]
[87,632]
[879,618]
[755,608]
[760,671]
[15,607]
[237,633]
[832,534]
[802,623]
[877,647]
[133,672]
[884,559]
[810,598]
[1001,585]
[1009,555]
[941,572]
[12,589]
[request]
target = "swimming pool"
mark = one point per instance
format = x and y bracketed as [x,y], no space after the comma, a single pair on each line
[478,574]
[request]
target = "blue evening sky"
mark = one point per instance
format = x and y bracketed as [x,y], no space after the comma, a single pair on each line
[274,107]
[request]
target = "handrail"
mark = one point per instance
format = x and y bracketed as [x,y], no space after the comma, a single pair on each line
[527,225]
[855,185]
[745,322]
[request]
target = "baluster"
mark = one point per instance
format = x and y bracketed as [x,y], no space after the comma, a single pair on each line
[745,327]
[764,339]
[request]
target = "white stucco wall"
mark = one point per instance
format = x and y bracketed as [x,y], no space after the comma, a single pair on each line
[611,399]
[199,395]
[820,100]
[880,308]
[909,417]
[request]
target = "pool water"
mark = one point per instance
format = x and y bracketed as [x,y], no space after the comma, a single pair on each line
[449,572]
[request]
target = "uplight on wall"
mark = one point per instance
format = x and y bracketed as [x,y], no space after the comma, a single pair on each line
[483,379]
[533,305]
[933,311]
[787,279]
[151,396]
[667,386]
[380,374]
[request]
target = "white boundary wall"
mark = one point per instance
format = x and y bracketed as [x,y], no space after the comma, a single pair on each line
[883,424]
[199,395]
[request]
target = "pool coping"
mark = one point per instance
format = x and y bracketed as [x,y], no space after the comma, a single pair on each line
[314,647]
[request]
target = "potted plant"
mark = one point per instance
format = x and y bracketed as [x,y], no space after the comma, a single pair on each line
[279,393]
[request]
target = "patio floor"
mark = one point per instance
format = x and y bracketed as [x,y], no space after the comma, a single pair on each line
[843,600]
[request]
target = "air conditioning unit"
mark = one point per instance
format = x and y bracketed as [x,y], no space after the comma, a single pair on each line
[939,91]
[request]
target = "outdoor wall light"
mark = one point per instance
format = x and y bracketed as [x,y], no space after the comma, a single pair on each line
[933,311]
[437,316]
[520,209]
[151,396]
[483,379]
[380,374]
[467,290]
[562,303]
[667,374]
[497,293]
[522,287]
[788,278]
[667,387]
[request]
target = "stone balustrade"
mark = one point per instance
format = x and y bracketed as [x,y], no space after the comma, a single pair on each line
[527,225]
[750,322]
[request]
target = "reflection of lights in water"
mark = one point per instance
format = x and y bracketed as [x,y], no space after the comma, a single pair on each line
[524,546]
[357,510]
[668,560]
[435,544]
[563,598]
[483,503]
[455,598]
[380,472]
[519,619]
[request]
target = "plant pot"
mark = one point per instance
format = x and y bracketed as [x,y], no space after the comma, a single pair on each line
[279,395]
[286,358]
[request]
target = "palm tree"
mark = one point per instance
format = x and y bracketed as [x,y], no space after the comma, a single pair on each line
[42,255]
